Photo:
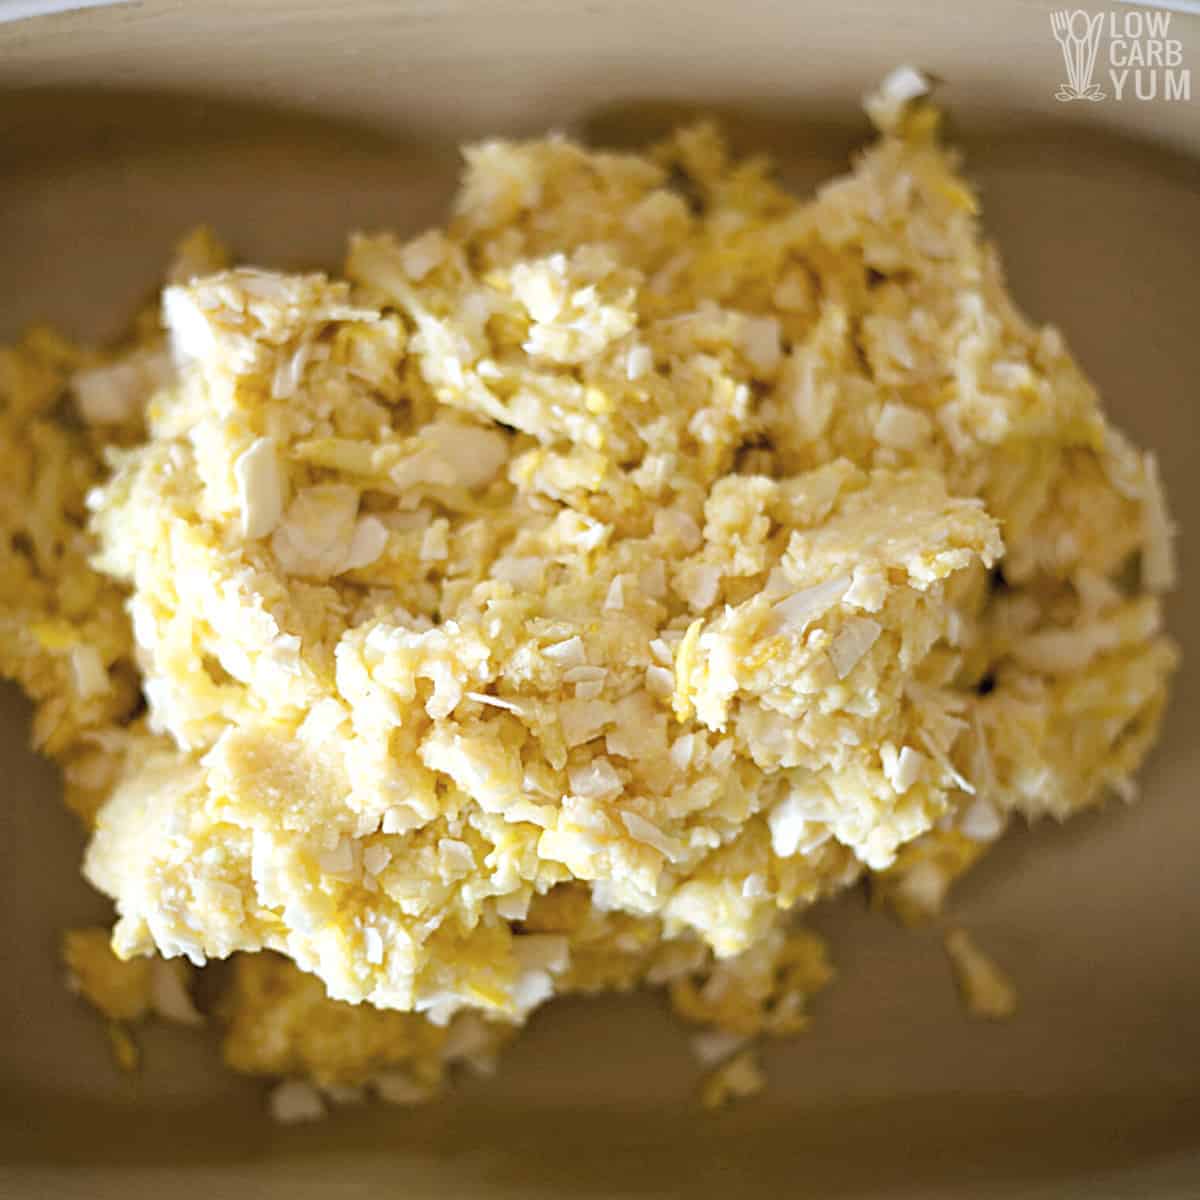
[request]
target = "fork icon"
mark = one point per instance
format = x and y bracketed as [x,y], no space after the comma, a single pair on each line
[1078,36]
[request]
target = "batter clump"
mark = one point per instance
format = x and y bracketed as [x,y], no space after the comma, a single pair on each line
[562,599]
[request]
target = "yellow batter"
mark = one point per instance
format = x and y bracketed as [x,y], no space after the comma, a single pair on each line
[565,597]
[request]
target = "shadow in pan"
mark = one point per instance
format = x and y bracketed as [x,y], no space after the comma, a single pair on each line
[929,1142]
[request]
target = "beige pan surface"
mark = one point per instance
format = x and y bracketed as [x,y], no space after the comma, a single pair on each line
[1094,1088]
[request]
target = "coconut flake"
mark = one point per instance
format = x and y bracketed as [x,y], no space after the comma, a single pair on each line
[294,1101]
[639,362]
[594,779]
[585,674]
[614,601]
[541,287]
[1125,788]
[792,825]
[754,886]
[339,862]
[372,945]
[260,488]
[682,751]
[897,90]
[116,392]
[868,589]
[495,702]
[760,344]
[474,454]
[456,856]
[675,524]
[582,720]
[435,542]
[514,906]
[450,455]
[169,996]
[985,769]
[87,671]
[923,887]
[375,858]
[401,818]
[722,754]
[1066,651]
[290,372]
[943,760]
[568,653]
[189,325]
[902,427]
[367,544]
[986,990]
[421,255]
[797,611]
[981,821]
[699,585]
[531,989]
[904,770]
[646,831]
[810,401]
[1158,550]
[851,643]
[661,652]
[322,721]
[108,395]
[660,682]
[316,531]
[525,571]
[469,1040]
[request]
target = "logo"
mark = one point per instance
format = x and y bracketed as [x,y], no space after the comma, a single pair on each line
[1140,60]
[1078,37]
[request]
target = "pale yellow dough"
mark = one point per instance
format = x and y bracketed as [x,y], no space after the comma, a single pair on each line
[566,597]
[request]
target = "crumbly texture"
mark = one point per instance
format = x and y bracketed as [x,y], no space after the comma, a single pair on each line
[127,991]
[119,990]
[565,598]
